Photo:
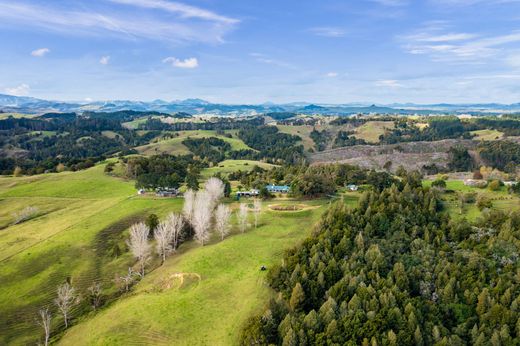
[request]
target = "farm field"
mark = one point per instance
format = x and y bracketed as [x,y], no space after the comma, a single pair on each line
[487,135]
[174,145]
[501,199]
[80,215]
[228,166]
[371,130]
[79,233]
[224,286]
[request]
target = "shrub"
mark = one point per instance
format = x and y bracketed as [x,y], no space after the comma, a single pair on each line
[494,185]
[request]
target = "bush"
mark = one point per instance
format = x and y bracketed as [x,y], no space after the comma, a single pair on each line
[439,184]
[494,185]
[483,202]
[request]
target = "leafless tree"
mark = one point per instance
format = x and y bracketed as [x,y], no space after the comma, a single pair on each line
[215,190]
[242,215]
[168,235]
[177,225]
[189,203]
[202,216]
[257,208]
[45,322]
[139,244]
[25,214]
[128,279]
[222,216]
[65,301]
[94,292]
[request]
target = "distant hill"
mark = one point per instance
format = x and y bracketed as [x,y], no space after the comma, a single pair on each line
[195,106]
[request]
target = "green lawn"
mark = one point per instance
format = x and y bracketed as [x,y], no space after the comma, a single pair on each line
[174,145]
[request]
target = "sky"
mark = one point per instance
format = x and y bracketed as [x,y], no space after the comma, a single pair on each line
[256,51]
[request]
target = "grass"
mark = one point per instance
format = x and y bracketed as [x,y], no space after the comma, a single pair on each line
[228,166]
[81,216]
[62,241]
[210,311]
[371,130]
[174,145]
[501,199]
[16,115]
[487,135]
[302,131]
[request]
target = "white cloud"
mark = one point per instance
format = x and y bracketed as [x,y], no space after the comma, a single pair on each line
[20,90]
[389,83]
[459,47]
[327,31]
[332,74]
[184,10]
[265,59]
[185,26]
[182,63]
[40,52]
[104,60]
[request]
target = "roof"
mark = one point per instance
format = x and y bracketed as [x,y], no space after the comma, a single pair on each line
[278,187]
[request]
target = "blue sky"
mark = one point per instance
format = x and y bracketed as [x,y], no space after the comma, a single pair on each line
[254,51]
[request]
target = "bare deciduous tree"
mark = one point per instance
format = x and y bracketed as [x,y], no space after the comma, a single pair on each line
[94,293]
[177,224]
[139,244]
[168,235]
[215,189]
[222,216]
[45,322]
[128,279]
[65,301]
[242,215]
[202,216]
[189,203]
[257,208]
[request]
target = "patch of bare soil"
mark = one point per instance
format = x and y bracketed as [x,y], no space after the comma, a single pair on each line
[178,281]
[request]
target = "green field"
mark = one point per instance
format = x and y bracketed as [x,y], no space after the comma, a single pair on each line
[487,135]
[82,216]
[370,131]
[16,115]
[228,166]
[302,131]
[501,199]
[65,239]
[174,145]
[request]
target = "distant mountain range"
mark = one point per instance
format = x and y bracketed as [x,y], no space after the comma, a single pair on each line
[24,104]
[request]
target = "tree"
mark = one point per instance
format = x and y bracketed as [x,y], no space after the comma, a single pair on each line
[152,221]
[243,211]
[139,245]
[187,209]
[192,181]
[494,185]
[45,323]
[222,216]
[297,297]
[167,235]
[94,294]
[127,279]
[483,202]
[439,184]
[65,301]
[215,189]
[257,208]
[227,188]
[177,225]
[202,216]
[17,171]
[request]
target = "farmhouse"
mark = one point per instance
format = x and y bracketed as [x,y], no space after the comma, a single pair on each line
[250,193]
[278,188]
[166,192]
[475,183]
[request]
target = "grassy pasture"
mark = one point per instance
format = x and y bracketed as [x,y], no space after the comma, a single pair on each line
[302,131]
[371,130]
[67,238]
[501,199]
[224,287]
[487,135]
[228,166]
[174,145]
